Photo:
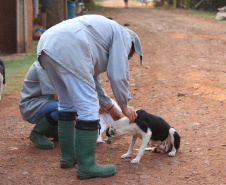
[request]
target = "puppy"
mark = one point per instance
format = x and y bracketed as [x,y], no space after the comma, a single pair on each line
[151,129]
[2,76]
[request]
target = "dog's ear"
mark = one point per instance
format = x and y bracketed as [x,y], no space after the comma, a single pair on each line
[107,132]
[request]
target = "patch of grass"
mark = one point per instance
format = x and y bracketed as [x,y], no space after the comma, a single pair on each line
[94,5]
[97,1]
[206,14]
[209,15]
[16,70]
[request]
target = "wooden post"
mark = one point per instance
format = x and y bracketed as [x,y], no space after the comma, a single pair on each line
[56,12]
[21,26]
[35,5]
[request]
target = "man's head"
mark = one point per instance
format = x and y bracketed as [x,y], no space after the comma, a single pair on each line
[135,43]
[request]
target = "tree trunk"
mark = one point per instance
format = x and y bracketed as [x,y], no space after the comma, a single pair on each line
[56,11]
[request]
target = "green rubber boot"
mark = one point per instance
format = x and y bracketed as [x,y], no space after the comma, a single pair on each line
[66,132]
[53,133]
[37,135]
[85,142]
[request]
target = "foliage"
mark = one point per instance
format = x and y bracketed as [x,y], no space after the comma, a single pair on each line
[208,5]
[187,3]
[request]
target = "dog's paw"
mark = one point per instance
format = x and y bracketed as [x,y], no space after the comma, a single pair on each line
[155,150]
[125,156]
[134,161]
[171,154]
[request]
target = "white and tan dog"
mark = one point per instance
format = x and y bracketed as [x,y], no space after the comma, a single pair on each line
[151,129]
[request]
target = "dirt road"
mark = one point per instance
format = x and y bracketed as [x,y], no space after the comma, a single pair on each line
[183,80]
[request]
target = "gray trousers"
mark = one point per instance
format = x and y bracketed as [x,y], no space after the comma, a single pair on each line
[74,94]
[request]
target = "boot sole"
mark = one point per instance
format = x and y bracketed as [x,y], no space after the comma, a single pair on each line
[68,165]
[44,148]
[95,176]
[47,148]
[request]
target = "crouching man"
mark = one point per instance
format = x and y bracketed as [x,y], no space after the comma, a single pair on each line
[39,105]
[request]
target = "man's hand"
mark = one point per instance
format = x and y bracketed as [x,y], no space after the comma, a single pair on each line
[113,110]
[130,113]
[56,97]
[115,113]
[102,110]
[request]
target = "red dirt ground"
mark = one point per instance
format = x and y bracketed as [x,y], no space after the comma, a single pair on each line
[183,80]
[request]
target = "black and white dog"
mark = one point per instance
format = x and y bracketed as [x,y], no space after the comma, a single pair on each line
[151,129]
[2,76]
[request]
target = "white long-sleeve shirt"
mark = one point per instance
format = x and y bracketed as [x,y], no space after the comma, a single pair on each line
[89,45]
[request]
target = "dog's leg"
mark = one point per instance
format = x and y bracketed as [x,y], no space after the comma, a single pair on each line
[145,140]
[129,152]
[173,152]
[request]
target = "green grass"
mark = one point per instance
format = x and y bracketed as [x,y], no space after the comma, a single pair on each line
[209,15]
[16,70]
[97,1]
[94,5]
